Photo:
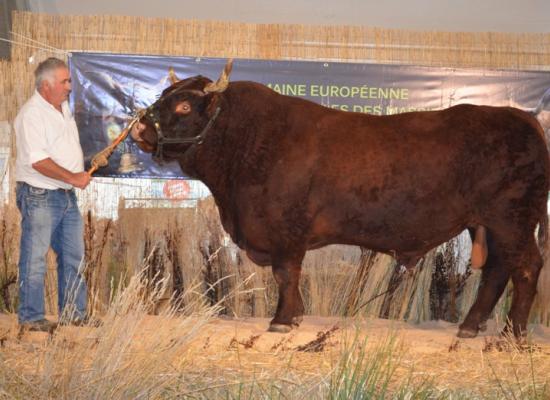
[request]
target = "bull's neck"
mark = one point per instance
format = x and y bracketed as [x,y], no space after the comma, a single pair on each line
[235,146]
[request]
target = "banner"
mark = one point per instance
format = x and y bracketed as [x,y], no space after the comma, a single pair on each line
[108,88]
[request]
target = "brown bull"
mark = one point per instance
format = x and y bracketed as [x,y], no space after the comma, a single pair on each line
[289,175]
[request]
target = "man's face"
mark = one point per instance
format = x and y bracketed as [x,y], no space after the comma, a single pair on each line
[57,91]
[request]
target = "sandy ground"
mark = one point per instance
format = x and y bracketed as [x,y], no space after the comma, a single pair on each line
[433,337]
[430,348]
[427,337]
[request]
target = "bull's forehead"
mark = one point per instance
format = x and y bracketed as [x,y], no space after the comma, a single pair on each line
[195,83]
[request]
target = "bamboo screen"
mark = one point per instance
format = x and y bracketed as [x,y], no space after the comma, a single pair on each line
[259,41]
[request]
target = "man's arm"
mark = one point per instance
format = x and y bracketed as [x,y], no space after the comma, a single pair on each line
[51,169]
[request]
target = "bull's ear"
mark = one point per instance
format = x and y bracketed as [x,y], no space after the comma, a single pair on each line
[172,76]
[183,108]
[223,81]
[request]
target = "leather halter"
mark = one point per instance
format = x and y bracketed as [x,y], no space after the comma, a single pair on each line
[152,114]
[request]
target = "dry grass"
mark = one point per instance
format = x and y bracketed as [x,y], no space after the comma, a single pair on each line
[9,254]
[123,358]
[134,355]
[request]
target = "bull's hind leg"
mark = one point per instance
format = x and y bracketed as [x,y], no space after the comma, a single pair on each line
[519,259]
[494,277]
[524,277]
[290,307]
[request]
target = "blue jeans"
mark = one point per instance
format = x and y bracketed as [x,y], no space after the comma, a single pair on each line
[50,218]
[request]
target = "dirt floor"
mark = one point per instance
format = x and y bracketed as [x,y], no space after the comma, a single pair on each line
[431,337]
[429,349]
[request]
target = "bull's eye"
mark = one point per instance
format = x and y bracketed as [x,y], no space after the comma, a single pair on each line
[183,108]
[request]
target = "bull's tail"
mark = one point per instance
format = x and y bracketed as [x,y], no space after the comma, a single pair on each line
[542,236]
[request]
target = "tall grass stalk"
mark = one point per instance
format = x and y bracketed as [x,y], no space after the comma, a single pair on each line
[524,381]
[122,358]
[369,372]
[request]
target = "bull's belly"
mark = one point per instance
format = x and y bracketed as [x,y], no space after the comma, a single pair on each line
[406,247]
[405,242]
[406,239]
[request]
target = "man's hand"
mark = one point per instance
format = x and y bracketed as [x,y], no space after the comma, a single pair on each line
[80,180]
[51,169]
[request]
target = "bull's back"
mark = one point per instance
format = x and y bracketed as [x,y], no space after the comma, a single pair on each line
[391,176]
[428,149]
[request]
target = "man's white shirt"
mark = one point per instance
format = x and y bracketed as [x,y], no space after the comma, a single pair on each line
[43,132]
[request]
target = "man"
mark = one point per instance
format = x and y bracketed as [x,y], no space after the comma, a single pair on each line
[49,165]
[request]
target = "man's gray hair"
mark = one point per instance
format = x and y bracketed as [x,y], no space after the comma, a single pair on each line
[45,70]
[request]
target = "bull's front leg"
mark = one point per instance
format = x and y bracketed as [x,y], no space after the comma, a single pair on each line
[290,307]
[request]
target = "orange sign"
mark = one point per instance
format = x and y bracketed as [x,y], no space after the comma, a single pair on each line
[176,189]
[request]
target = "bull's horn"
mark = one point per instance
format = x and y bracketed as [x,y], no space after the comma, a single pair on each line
[172,76]
[221,84]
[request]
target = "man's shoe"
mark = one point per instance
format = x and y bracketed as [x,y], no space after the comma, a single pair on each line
[42,325]
[84,321]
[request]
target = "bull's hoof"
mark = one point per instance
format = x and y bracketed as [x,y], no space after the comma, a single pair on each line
[279,328]
[465,333]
